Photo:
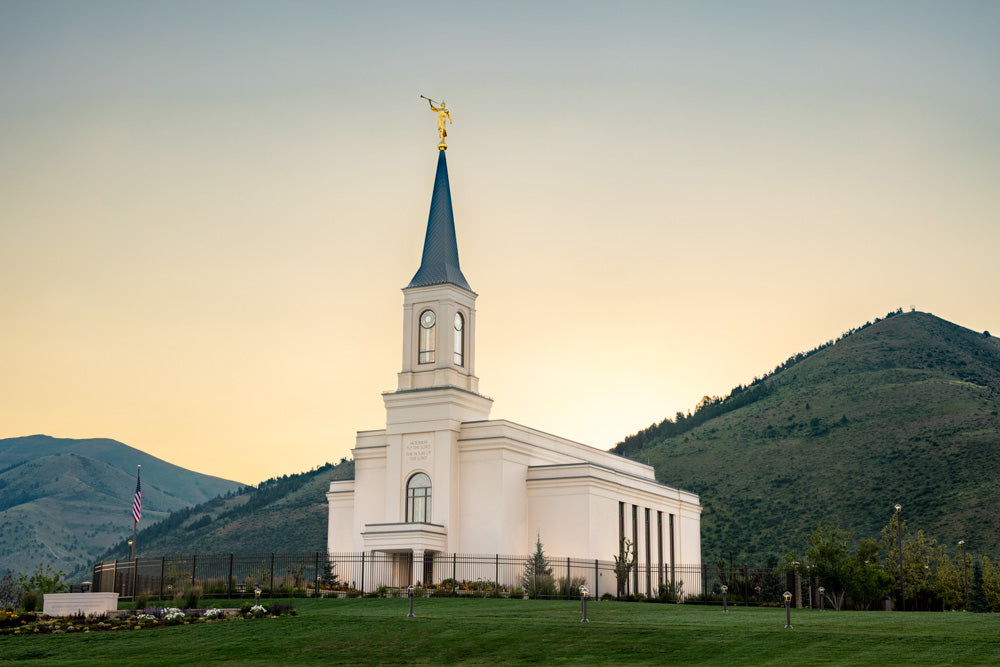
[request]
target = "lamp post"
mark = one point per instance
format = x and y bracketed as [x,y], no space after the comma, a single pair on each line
[796,578]
[821,590]
[584,591]
[965,577]
[256,595]
[409,590]
[788,610]
[757,588]
[724,589]
[899,542]
[130,549]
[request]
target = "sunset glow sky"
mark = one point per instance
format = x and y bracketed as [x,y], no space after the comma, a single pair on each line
[208,209]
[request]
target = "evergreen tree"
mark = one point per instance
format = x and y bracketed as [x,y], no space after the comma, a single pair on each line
[537,576]
[977,592]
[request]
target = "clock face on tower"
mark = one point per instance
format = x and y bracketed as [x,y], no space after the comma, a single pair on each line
[427,319]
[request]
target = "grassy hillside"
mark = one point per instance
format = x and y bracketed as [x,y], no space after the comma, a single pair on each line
[284,515]
[901,411]
[64,501]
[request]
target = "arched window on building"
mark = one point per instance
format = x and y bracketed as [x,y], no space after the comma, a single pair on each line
[427,320]
[459,340]
[418,499]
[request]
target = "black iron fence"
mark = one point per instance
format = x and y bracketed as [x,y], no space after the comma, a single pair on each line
[499,575]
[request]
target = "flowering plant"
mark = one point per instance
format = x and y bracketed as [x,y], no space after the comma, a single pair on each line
[173,615]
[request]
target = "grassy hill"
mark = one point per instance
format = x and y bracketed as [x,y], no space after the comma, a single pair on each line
[284,514]
[904,410]
[64,501]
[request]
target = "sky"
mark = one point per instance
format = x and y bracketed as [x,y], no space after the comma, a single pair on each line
[208,209]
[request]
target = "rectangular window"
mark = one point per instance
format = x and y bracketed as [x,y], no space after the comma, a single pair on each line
[635,548]
[673,571]
[427,345]
[659,547]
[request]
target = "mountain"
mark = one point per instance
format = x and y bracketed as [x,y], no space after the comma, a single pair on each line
[283,515]
[63,501]
[904,410]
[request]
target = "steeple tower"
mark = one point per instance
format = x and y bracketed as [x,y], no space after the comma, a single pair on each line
[439,315]
[439,263]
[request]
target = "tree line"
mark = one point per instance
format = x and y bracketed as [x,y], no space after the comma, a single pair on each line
[930,576]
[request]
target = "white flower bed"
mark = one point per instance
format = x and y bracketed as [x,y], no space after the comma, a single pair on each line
[173,614]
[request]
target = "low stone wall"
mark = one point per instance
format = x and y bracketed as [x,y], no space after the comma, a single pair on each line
[71,604]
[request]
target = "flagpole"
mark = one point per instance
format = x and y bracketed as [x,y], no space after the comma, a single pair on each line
[135,521]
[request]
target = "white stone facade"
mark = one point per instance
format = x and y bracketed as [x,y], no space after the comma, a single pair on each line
[494,485]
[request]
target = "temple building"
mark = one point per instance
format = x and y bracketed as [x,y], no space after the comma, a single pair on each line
[442,477]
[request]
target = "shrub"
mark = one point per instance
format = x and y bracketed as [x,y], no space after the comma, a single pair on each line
[141,602]
[607,596]
[670,592]
[191,597]
[571,586]
[546,587]
[29,601]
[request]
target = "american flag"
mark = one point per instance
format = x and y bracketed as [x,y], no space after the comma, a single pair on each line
[137,503]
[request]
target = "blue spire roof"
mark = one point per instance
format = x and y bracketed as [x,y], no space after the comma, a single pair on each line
[439,263]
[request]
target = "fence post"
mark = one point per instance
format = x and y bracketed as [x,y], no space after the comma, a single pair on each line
[454,574]
[270,591]
[496,578]
[362,572]
[194,565]
[568,596]
[229,579]
[597,575]
[163,562]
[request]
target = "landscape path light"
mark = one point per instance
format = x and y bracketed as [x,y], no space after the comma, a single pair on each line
[821,590]
[256,595]
[584,591]
[409,590]
[757,588]
[724,589]
[788,610]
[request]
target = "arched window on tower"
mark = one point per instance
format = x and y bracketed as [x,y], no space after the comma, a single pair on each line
[418,499]
[426,350]
[459,340]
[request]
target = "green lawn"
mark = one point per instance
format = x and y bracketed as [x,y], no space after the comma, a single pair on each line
[377,631]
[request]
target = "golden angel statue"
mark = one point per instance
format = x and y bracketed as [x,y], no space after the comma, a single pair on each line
[444,118]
